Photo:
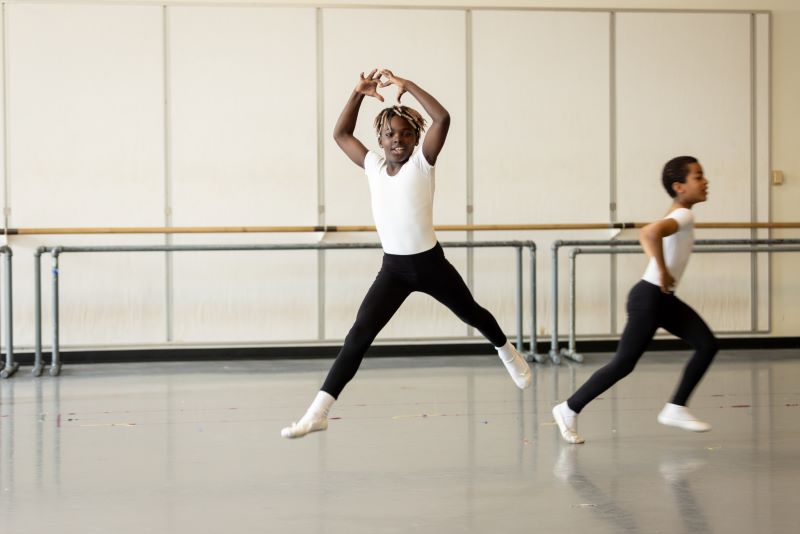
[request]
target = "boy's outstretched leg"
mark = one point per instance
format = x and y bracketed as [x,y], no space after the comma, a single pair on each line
[682,321]
[444,283]
[379,305]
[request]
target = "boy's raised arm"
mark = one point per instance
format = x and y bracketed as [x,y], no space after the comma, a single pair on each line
[346,125]
[437,133]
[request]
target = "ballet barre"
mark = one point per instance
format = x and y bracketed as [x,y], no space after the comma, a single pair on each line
[10,366]
[366,228]
[707,246]
[57,251]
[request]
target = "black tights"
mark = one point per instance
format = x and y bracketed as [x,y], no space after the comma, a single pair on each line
[649,309]
[428,272]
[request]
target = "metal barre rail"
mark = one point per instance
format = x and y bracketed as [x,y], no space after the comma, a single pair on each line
[10,366]
[555,354]
[56,251]
[571,351]
[366,228]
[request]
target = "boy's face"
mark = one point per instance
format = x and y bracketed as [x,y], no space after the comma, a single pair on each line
[398,140]
[696,187]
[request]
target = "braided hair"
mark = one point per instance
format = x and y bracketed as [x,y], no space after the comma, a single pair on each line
[411,115]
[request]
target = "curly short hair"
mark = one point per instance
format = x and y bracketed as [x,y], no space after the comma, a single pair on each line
[675,170]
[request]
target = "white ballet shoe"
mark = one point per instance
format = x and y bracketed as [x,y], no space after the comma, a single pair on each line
[680,417]
[516,365]
[305,426]
[567,422]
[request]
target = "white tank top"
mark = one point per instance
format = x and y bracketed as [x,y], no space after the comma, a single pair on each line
[402,205]
[677,248]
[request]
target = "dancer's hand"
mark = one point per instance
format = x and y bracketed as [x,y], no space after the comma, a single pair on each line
[368,85]
[391,79]
[667,281]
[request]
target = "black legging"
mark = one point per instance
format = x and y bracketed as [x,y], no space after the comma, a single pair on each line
[649,309]
[428,272]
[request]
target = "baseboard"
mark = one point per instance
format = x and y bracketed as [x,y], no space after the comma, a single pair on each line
[432,349]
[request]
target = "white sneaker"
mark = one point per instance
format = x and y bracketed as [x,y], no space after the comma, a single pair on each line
[304,426]
[680,417]
[567,422]
[516,365]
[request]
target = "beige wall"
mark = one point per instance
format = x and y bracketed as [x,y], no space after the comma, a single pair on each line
[222,175]
[785,118]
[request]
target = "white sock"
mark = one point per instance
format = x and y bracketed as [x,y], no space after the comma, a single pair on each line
[516,365]
[322,404]
[567,421]
[680,417]
[315,418]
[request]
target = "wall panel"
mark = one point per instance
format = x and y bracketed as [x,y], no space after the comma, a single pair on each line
[243,152]
[678,95]
[541,142]
[85,140]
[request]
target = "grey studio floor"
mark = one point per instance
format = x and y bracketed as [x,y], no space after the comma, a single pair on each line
[431,445]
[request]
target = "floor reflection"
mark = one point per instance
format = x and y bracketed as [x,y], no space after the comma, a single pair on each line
[426,445]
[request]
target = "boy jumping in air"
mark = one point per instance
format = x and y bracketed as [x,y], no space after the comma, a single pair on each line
[401,182]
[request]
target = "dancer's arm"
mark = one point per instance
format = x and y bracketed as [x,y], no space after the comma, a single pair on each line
[346,125]
[651,237]
[437,133]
